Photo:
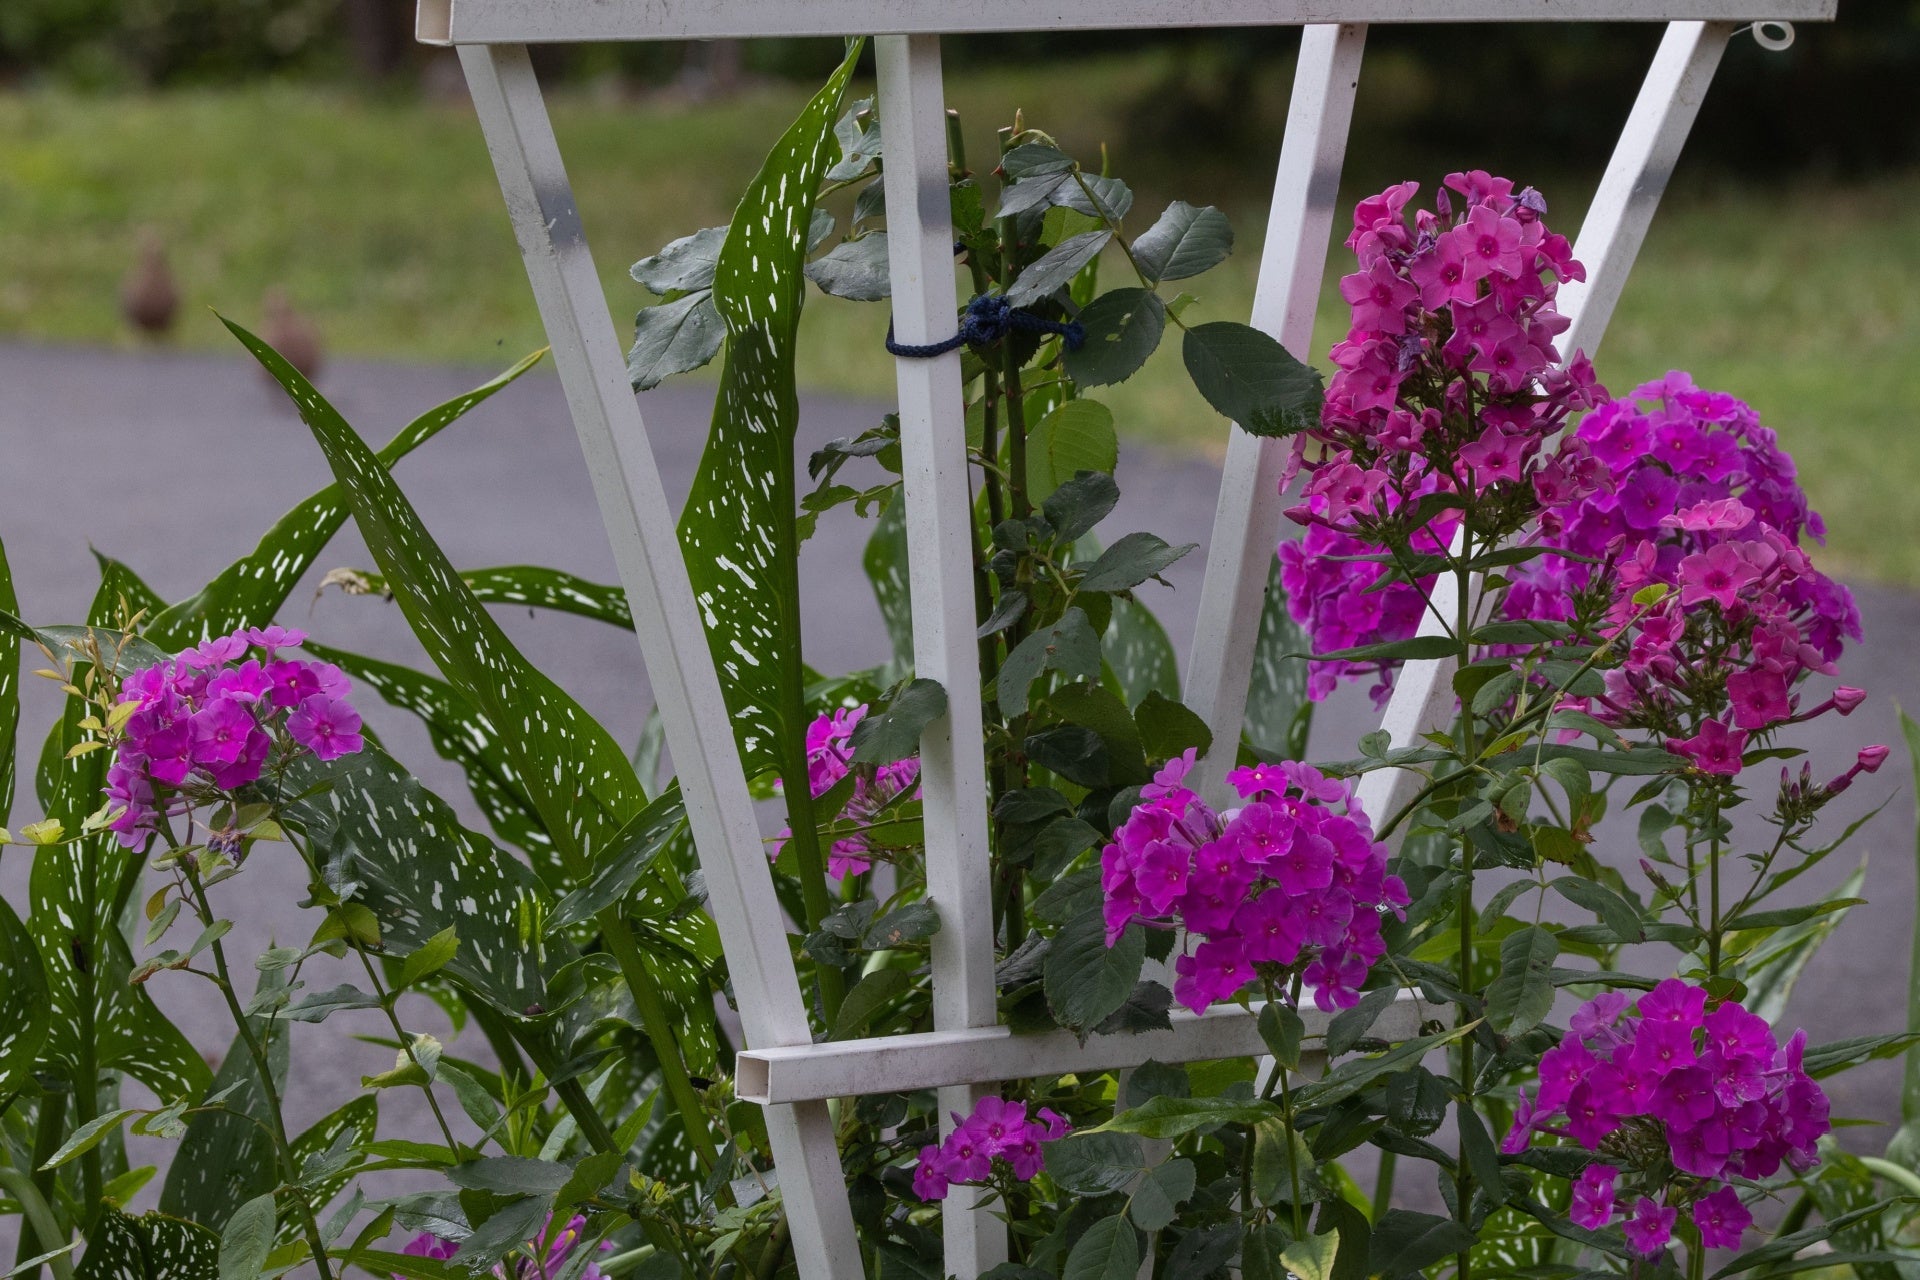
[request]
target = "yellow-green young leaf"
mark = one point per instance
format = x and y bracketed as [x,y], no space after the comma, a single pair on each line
[439,949]
[44,832]
[1312,1258]
[1077,436]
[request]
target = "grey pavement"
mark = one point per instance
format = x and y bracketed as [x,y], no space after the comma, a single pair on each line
[177,463]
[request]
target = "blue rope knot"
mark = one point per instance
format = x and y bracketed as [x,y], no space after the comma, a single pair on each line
[988,318]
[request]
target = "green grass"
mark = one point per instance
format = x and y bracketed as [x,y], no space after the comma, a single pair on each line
[382,220]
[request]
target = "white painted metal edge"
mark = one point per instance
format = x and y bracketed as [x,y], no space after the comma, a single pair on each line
[1246,524]
[646,549]
[1610,238]
[939,524]
[989,1055]
[538,21]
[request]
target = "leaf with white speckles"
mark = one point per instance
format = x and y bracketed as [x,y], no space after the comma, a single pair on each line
[150,1246]
[251,590]
[738,525]
[9,689]
[531,586]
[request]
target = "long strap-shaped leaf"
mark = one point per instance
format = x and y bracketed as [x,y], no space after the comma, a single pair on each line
[577,776]
[9,690]
[738,525]
[251,590]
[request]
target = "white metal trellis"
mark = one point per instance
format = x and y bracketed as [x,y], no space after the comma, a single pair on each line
[967,1051]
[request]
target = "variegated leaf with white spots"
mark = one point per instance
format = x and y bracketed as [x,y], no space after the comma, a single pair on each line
[149,1246]
[226,1156]
[738,525]
[531,585]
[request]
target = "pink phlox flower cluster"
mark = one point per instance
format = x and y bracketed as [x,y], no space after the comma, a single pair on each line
[547,1253]
[1669,1085]
[211,717]
[1293,879]
[997,1130]
[829,759]
[1449,380]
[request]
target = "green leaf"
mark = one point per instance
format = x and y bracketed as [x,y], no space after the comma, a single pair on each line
[674,337]
[737,528]
[1281,1158]
[1157,1200]
[1183,242]
[1168,728]
[1251,379]
[1404,1242]
[1131,561]
[1079,504]
[1615,911]
[1825,1059]
[1084,979]
[867,998]
[854,269]
[430,957]
[1165,1117]
[1350,1025]
[1312,1258]
[227,1157]
[1090,1162]
[1069,646]
[150,1246]
[1107,1251]
[251,590]
[894,734]
[1122,327]
[511,1176]
[1414,648]
[1139,654]
[88,1136]
[9,727]
[621,866]
[326,1153]
[1522,994]
[1076,436]
[527,585]
[25,1013]
[248,1239]
[321,1005]
[1281,1028]
[684,265]
[1054,269]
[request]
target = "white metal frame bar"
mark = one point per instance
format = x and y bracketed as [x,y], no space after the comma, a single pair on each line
[626,483]
[536,21]
[939,521]
[987,1055]
[1610,238]
[1246,524]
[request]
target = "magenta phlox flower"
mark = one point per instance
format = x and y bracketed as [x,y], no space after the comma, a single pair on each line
[1710,1089]
[208,723]
[1293,880]
[328,727]
[830,759]
[1721,1219]
[548,1254]
[1714,749]
[1650,1226]
[998,1130]
[1593,1196]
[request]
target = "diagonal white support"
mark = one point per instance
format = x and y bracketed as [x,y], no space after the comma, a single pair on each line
[1246,524]
[1610,238]
[639,523]
[939,519]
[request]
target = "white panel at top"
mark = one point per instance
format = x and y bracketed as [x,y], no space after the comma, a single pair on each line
[539,21]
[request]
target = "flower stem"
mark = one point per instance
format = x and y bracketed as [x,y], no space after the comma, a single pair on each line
[277,1130]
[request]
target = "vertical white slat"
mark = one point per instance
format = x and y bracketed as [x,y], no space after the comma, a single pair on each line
[673,642]
[1246,524]
[939,498]
[1610,238]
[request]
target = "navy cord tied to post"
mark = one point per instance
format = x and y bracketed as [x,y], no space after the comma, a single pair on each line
[988,319]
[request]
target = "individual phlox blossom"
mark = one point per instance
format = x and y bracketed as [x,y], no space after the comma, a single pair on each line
[208,720]
[829,759]
[547,1254]
[997,1131]
[1678,1098]
[1292,881]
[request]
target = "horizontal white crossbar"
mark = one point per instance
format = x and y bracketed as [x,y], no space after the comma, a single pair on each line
[984,1055]
[542,21]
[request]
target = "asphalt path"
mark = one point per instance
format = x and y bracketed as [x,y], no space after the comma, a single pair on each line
[177,463]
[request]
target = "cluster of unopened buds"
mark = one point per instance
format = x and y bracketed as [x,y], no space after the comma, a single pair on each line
[1677,1098]
[548,1254]
[997,1131]
[1292,882]
[207,722]
[830,759]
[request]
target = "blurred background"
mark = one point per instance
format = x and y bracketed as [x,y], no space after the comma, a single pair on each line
[304,165]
